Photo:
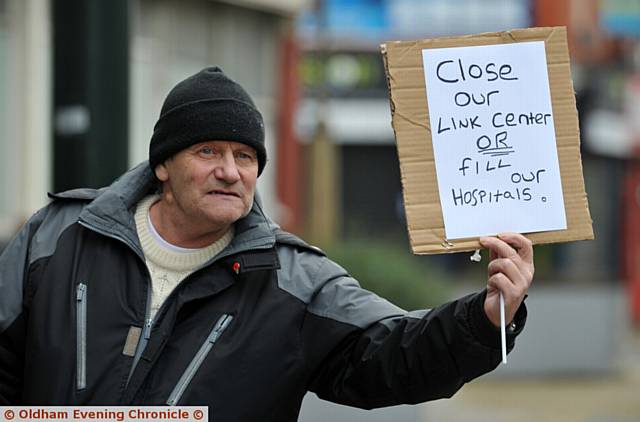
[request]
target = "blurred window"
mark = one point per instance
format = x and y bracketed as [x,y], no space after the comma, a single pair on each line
[344,75]
[347,21]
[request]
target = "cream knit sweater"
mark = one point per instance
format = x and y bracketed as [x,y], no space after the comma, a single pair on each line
[169,264]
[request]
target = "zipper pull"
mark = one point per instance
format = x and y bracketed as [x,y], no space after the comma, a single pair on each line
[80,291]
[222,324]
[147,328]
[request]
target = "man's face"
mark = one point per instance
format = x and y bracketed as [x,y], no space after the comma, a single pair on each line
[210,184]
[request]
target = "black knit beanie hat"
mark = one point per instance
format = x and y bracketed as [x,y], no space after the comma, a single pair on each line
[207,106]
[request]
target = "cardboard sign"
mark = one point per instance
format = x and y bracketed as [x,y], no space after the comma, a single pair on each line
[487,135]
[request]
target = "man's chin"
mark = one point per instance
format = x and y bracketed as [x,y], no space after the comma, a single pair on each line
[225,217]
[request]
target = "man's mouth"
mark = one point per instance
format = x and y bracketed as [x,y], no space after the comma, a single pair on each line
[224,192]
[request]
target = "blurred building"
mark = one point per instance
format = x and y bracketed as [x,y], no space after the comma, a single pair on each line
[82,83]
[25,110]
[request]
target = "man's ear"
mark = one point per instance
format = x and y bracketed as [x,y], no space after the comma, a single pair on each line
[161,172]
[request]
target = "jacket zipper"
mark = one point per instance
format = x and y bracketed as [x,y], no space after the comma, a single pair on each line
[81,336]
[198,359]
[146,333]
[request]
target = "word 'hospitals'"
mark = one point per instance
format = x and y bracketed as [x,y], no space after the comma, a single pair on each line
[478,196]
[117,415]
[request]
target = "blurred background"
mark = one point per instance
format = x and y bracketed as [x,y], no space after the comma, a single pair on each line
[82,83]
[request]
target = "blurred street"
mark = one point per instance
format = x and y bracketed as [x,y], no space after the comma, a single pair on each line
[612,398]
[608,398]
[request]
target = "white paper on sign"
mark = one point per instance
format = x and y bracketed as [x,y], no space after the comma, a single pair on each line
[493,139]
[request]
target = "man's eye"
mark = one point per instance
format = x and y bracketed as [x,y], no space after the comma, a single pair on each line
[244,156]
[206,151]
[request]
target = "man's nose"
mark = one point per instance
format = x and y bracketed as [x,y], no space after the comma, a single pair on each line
[227,169]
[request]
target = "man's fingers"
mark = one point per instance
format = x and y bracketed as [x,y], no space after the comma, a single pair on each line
[499,247]
[508,268]
[510,272]
[499,283]
[513,284]
[521,244]
[514,248]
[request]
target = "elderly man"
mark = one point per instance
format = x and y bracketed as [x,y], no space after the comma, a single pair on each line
[172,286]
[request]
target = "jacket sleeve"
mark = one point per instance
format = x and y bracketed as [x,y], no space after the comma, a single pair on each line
[373,354]
[13,273]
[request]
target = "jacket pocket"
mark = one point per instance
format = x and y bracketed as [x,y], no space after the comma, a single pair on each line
[81,336]
[196,362]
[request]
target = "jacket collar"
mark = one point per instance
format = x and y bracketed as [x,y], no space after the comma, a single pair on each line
[111,213]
